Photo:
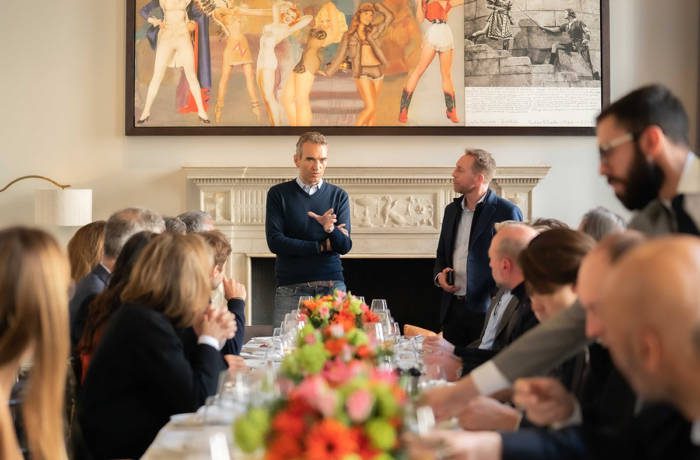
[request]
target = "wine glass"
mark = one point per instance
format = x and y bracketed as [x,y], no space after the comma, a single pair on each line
[379,305]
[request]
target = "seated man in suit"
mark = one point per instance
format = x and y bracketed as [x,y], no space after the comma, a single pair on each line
[119,228]
[462,252]
[509,314]
[651,313]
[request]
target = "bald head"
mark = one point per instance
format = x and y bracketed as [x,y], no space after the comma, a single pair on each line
[507,244]
[651,309]
[593,272]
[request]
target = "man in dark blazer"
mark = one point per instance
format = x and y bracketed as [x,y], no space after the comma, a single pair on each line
[465,237]
[119,228]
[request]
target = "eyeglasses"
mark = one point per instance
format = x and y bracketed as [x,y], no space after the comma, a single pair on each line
[607,148]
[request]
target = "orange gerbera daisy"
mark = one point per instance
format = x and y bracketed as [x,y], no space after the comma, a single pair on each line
[284,447]
[335,346]
[329,440]
[287,421]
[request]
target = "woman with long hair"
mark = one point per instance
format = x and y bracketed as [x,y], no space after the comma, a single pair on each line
[34,277]
[106,303]
[361,45]
[329,27]
[438,40]
[286,20]
[140,374]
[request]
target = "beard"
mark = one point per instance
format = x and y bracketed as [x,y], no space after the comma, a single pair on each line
[643,182]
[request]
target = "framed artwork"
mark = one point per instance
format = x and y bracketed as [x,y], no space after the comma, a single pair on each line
[385,67]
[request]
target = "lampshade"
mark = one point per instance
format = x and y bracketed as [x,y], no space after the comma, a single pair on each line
[67,207]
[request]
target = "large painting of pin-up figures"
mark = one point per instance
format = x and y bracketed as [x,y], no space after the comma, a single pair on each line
[400,67]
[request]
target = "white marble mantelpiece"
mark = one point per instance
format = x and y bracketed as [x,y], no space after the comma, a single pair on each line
[396,212]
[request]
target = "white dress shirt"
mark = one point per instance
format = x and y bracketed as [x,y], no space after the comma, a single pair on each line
[494,320]
[461,251]
[310,189]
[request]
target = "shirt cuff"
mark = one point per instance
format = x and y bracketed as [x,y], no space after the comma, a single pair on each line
[488,379]
[575,419]
[209,340]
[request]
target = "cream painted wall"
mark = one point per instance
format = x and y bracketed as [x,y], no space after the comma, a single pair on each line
[63,99]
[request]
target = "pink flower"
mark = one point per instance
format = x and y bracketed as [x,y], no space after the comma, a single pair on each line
[310,389]
[310,339]
[384,375]
[336,330]
[359,405]
[324,312]
[326,403]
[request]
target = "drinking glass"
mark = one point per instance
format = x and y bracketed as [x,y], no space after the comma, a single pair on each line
[303,299]
[379,305]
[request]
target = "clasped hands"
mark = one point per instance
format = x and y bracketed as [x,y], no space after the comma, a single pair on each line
[217,323]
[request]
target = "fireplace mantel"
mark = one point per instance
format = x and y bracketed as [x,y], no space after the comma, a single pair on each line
[396,212]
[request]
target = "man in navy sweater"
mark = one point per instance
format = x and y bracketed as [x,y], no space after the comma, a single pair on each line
[307,226]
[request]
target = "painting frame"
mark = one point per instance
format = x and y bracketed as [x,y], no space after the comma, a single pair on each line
[134,129]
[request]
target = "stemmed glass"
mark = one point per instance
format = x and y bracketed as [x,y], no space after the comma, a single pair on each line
[379,305]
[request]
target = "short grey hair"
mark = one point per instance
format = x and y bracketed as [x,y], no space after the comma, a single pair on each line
[124,223]
[600,221]
[175,225]
[310,137]
[483,163]
[195,221]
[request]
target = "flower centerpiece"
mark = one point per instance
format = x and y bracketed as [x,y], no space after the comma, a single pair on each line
[351,411]
[333,331]
[337,405]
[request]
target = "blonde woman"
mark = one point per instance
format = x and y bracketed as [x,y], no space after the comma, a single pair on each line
[34,277]
[285,21]
[361,44]
[141,373]
[329,27]
[173,49]
[438,40]
[236,53]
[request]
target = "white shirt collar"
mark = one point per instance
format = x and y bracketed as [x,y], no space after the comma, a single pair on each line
[690,177]
[310,189]
[695,433]
[464,201]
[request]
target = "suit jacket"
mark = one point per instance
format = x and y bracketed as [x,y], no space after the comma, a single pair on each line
[92,284]
[610,428]
[517,318]
[480,284]
[139,377]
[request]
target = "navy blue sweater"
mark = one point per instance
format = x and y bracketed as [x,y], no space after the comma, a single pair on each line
[295,237]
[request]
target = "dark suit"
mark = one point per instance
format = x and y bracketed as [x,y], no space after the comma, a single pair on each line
[139,377]
[92,284]
[517,318]
[480,284]
[610,428]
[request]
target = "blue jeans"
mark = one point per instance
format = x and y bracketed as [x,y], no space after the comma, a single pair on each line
[287,297]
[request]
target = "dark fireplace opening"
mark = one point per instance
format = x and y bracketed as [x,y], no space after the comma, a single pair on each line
[406,284]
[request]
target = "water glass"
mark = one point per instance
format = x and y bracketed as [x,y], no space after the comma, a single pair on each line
[303,299]
[379,305]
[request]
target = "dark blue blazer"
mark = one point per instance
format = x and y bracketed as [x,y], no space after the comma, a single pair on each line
[480,283]
[87,288]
